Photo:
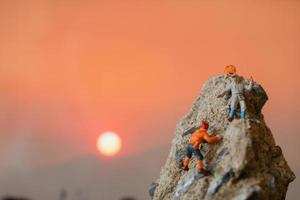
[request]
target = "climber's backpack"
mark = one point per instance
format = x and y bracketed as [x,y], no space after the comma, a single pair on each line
[190,130]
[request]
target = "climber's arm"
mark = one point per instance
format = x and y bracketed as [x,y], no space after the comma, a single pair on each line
[212,139]
[227,90]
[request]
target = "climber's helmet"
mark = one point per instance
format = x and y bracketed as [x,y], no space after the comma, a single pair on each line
[204,125]
[230,70]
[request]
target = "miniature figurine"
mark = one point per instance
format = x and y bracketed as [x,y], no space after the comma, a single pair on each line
[230,70]
[194,145]
[237,89]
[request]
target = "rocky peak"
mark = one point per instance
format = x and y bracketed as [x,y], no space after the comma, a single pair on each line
[245,165]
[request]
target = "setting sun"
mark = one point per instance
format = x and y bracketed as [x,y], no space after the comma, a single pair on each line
[109,143]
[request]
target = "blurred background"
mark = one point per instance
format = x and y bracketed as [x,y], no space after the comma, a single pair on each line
[71,70]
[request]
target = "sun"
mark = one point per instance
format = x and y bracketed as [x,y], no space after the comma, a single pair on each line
[109,143]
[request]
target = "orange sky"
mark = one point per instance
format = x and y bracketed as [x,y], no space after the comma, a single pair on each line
[72,70]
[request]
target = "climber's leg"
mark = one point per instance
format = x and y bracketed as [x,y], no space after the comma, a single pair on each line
[243,109]
[233,105]
[199,157]
[200,166]
[186,163]
[186,160]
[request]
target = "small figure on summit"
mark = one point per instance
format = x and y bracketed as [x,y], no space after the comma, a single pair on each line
[194,145]
[237,89]
[230,70]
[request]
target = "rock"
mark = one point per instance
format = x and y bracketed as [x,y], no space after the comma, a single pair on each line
[241,165]
[128,198]
[276,152]
[251,193]
[185,184]
[14,198]
[152,189]
[217,183]
[261,97]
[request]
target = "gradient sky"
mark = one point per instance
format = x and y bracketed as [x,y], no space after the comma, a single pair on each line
[73,69]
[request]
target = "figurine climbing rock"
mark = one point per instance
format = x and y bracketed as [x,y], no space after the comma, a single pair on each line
[238,87]
[230,70]
[194,145]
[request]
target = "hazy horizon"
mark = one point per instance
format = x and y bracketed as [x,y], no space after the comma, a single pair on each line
[72,70]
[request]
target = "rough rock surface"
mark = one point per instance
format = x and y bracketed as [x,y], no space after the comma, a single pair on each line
[245,165]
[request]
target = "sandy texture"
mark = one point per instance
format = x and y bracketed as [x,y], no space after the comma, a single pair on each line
[245,165]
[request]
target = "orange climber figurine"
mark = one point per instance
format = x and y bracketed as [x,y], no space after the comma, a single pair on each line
[194,145]
[230,70]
